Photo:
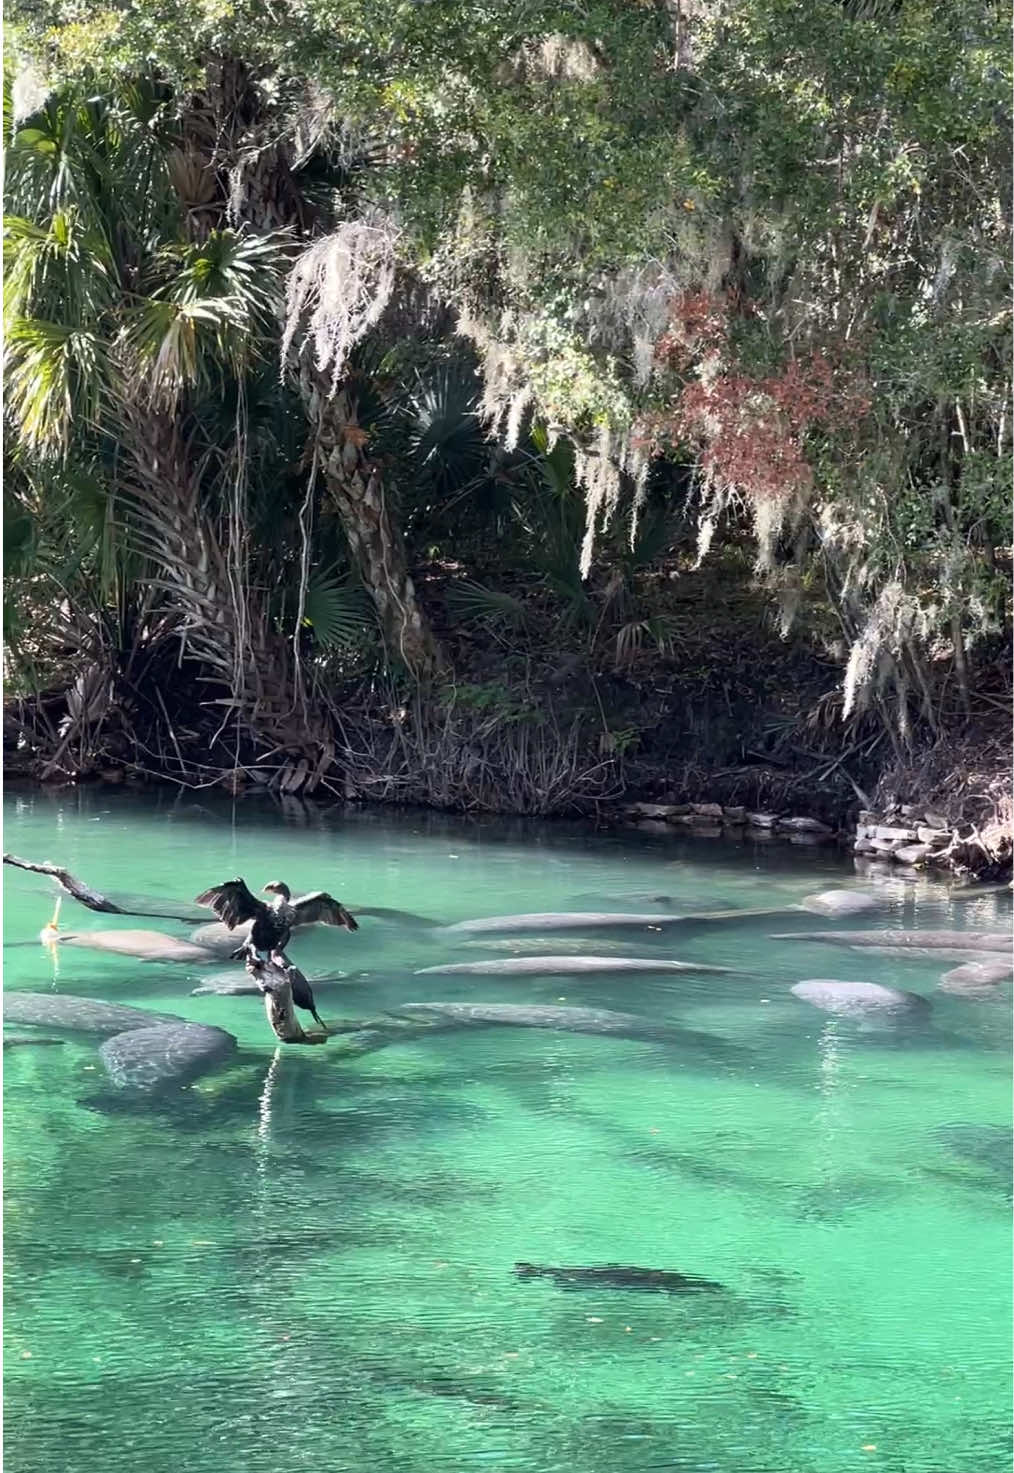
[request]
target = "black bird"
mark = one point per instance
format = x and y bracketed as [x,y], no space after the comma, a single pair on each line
[300,991]
[272,925]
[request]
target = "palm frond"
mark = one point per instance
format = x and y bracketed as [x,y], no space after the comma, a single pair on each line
[211,317]
[337,610]
[467,601]
[445,435]
[60,266]
[661,632]
[56,375]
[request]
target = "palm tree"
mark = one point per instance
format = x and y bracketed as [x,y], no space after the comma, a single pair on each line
[120,330]
[339,286]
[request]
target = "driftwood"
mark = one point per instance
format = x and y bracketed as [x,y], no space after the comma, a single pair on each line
[73,886]
[275,984]
[94,899]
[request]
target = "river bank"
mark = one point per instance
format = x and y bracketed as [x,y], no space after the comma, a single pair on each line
[904,839]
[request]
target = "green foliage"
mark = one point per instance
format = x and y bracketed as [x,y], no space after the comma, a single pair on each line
[468,601]
[838,184]
[337,610]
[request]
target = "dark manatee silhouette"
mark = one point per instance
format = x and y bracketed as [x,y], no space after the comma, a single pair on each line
[860,999]
[143,1051]
[644,900]
[577,920]
[22,1040]
[575,1020]
[928,953]
[977,979]
[147,1059]
[146,946]
[572,1020]
[240,984]
[959,941]
[396,917]
[842,903]
[564,944]
[564,966]
[619,1276]
[585,920]
[988,1146]
[216,937]
[76,1014]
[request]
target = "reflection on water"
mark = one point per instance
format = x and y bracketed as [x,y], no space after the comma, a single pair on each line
[307,1259]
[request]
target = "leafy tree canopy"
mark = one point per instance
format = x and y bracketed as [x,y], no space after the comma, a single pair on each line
[766,237]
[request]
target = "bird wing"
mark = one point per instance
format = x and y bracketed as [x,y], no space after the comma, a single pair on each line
[231,902]
[320,906]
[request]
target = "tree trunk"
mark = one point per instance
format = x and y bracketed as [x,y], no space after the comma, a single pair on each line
[233,131]
[355,483]
[163,489]
[223,621]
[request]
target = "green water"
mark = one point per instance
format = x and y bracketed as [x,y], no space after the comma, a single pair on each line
[305,1262]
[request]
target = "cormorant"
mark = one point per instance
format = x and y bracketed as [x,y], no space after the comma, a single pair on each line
[272,925]
[280,1015]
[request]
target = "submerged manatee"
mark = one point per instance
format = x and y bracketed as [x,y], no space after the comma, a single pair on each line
[640,900]
[146,1059]
[240,984]
[597,920]
[977,979]
[22,1040]
[988,1146]
[578,1020]
[218,938]
[147,946]
[551,920]
[396,917]
[76,1014]
[929,953]
[841,903]
[860,999]
[563,966]
[573,1020]
[909,940]
[618,1276]
[157,907]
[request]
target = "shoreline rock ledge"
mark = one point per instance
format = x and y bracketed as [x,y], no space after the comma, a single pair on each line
[706,819]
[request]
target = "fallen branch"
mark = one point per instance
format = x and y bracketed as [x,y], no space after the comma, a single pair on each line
[85,895]
[73,886]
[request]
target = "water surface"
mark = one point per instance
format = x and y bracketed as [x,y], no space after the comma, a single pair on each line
[306,1260]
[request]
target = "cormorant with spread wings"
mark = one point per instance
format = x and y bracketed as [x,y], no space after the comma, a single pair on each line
[272,925]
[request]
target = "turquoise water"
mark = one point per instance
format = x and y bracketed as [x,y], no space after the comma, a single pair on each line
[306,1259]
